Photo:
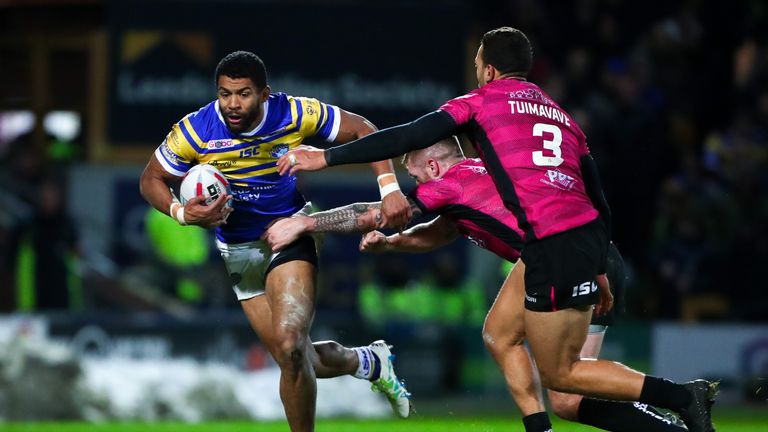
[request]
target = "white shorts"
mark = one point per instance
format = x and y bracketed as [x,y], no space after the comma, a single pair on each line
[248,263]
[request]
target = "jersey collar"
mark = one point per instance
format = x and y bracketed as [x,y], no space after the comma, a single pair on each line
[252,132]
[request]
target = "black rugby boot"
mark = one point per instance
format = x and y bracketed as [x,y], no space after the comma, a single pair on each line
[698,414]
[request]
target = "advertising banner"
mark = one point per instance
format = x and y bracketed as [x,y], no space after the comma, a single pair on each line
[383,61]
[735,354]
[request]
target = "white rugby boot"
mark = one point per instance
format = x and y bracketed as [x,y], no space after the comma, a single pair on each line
[388,383]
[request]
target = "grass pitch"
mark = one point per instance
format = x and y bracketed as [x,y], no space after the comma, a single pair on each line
[726,420]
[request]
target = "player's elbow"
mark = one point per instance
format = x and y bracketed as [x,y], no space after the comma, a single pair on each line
[146,182]
[143,184]
[364,127]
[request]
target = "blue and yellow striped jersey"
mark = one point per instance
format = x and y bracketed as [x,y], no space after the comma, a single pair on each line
[248,160]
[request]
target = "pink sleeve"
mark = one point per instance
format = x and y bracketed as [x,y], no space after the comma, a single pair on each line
[462,108]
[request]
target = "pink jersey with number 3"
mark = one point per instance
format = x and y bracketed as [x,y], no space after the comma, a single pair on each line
[532,149]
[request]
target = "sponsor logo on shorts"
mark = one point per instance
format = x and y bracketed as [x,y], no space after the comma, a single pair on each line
[584,288]
[530,299]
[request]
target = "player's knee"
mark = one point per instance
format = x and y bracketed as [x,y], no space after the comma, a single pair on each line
[554,379]
[490,341]
[497,341]
[290,348]
[292,356]
[565,405]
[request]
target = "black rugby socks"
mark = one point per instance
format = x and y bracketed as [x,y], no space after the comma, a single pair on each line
[538,422]
[624,416]
[664,393]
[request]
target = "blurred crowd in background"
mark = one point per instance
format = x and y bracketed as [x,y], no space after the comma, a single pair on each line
[673,97]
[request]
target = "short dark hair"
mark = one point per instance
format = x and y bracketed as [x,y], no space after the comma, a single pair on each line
[243,64]
[508,50]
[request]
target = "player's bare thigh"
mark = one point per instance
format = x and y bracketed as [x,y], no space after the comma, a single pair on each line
[260,317]
[290,292]
[504,324]
[259,314]
[556,340]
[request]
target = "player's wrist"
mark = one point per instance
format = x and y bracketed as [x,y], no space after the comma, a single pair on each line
[389,242]
[176,211]
[386,177]
[387,184]
[308,224]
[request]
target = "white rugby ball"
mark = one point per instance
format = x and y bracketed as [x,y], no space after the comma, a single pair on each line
[203,180]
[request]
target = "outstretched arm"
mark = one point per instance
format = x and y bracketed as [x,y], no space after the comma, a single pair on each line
[395,210]
[424,237]
[384,144]
[353,218]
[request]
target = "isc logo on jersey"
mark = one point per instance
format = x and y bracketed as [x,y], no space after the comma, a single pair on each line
[584,288]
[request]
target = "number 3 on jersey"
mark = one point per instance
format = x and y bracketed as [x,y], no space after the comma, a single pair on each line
[539,129]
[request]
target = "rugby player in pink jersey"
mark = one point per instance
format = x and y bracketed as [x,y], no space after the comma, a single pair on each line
[461,193]
[541,166]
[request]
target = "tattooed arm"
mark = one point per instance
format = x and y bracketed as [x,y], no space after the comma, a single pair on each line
[353,218]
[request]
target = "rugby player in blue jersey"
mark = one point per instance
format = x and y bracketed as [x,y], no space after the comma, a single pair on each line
[243,133]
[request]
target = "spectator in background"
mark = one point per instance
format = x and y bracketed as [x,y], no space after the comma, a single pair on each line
[462,300]
[47,276]
[377,298]
[685,251]
[181,253]
[441,296]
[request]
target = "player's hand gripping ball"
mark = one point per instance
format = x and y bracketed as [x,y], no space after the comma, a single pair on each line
[203,180]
